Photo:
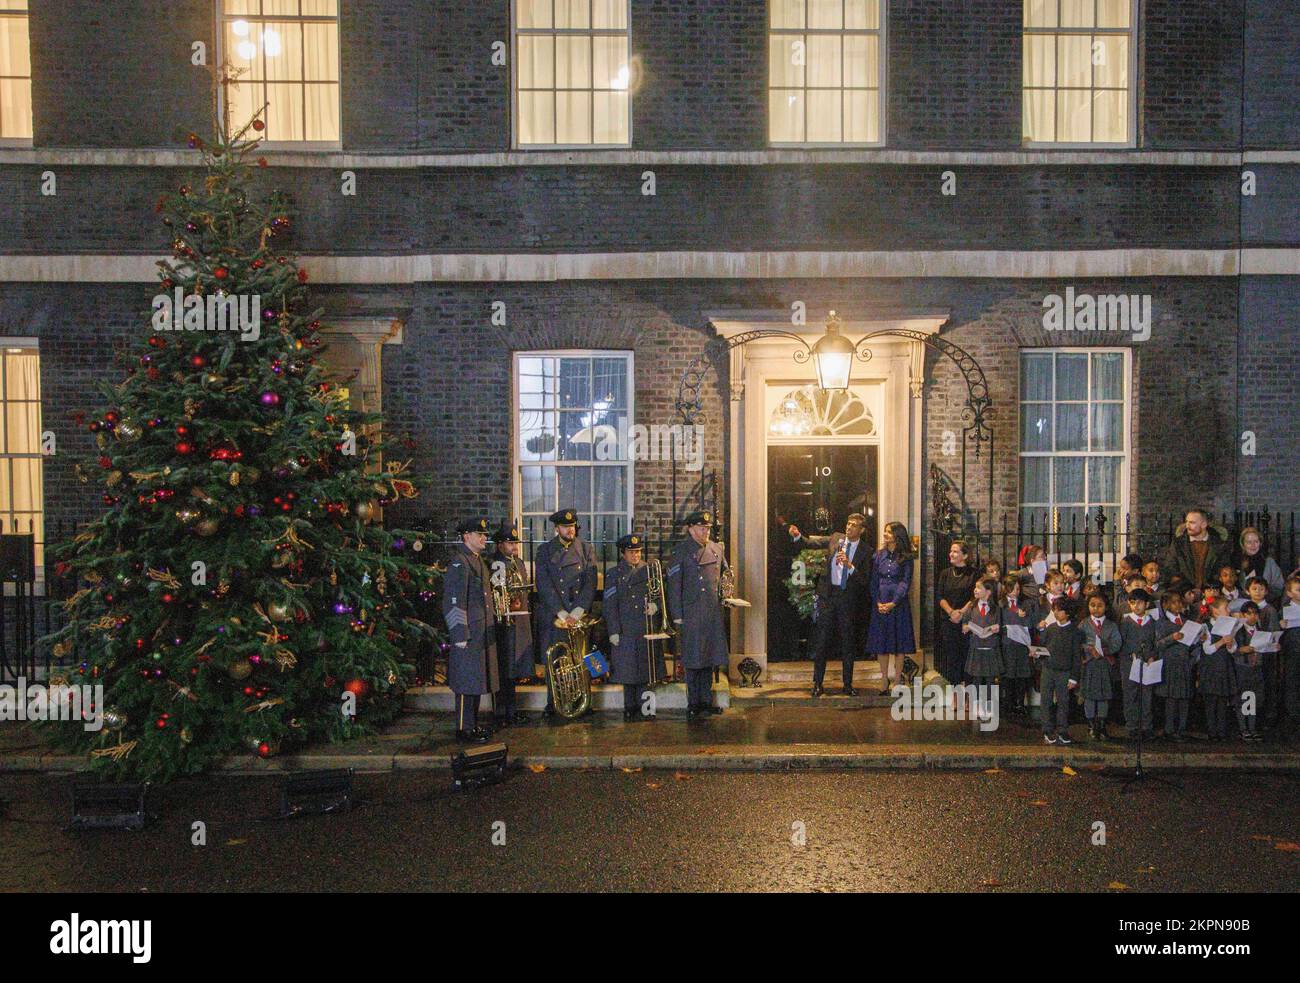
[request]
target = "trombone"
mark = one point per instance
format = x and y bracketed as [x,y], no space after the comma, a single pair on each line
[657,626]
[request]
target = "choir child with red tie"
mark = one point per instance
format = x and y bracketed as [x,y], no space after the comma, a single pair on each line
[1101,644]
[1291,656]
[984,656]
[1177,685]
[1215,672]
[1138,634]
[1017,668]
[1269,620]
[1248,666]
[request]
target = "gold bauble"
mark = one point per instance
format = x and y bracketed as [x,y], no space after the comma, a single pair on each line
[366,511]
[212,380]
[208,527]
[277,611]
[128,431]
[234,479]
[187,735]
[101,440]
[240,669]
[186,516]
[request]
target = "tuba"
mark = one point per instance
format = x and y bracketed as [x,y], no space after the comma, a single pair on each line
[567,677]
[509,597]
[657,626]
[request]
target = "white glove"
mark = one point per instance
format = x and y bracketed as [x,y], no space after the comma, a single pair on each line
[613,639]
[677,621]
[576,613]
[562,615]
[462,645]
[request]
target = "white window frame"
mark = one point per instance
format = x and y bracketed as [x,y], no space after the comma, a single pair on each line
[882,70]
[1126,425]
[517,491]
[8,515]
[514,82]
[26,15]
[1133,38]
[296,146]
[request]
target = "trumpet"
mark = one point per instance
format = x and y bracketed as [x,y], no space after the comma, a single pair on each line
[657,625]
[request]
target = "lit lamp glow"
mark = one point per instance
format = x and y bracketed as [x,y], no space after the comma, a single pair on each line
[833,355]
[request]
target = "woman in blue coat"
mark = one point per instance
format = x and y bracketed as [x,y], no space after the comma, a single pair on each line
[889,636]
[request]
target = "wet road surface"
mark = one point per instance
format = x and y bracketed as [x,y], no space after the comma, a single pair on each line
[603,830]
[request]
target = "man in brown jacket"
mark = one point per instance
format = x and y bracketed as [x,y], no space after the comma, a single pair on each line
[1197,552]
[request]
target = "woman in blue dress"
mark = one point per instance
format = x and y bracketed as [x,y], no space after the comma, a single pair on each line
[889,635]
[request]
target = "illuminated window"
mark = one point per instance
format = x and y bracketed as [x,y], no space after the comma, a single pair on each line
[1073,440]
[826,69]
[284,55]
[572,73]
[1079,58]
[571,446]
[21,491]
[15,72]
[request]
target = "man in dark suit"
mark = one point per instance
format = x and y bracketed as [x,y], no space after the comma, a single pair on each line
[844,602]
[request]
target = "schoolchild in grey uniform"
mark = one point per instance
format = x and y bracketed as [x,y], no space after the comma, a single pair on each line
[1215,675]
[1017,668]
[1061,671]
[1257,589]
[1177,683]
[1101,644]
[1248,666]
[984,655]
[1138,633]
[631,653]
[1291,660]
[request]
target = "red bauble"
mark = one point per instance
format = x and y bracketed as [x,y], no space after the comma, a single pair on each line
[158,342]
[221,273]
[182,430]
[258,125]
[198,361]
[152,372]
[105,461]
[357,687]
[302,276]
[184,447]
[110,416]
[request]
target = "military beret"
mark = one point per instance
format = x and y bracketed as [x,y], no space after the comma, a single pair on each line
[699,518]
[565,517]
[473,525]
[507,532]
[632,541]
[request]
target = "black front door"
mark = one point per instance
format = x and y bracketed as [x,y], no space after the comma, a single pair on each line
[814,488]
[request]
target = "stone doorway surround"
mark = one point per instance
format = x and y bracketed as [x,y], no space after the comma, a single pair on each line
[897,366]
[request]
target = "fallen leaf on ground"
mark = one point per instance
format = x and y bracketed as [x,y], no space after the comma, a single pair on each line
[1287,846]
[681,776]
[1096,767]
[1146,870]
[991,882]
[1067,770]
[1117,886]
[236,842]
[1039,802]
[631,771]
[992,771]
[654,784]
[537,769]
[1260,836]
[710,750]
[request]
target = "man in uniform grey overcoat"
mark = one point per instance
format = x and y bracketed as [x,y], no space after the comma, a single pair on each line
[467,607]
[692,584]
[515,631]
[635,660]
[566,572]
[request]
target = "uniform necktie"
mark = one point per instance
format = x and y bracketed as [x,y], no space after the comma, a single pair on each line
[984,608]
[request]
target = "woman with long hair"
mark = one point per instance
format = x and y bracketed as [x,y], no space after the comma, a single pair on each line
[1255,562]
[889,635]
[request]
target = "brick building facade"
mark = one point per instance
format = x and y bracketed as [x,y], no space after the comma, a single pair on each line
[451,217]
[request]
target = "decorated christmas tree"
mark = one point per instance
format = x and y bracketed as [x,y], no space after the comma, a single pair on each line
[239,592]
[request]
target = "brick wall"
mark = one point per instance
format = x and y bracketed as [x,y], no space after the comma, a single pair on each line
[1270,366]
[513,209]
